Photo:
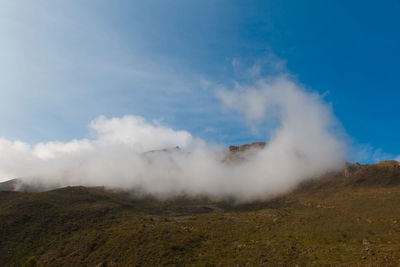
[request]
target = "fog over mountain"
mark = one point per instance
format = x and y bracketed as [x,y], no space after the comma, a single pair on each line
[306,142]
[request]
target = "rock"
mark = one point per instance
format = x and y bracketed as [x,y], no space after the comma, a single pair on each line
[238,154]
[350,168]
[257,145]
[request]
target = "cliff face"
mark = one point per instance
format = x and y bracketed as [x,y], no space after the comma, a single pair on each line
[350,168]
[238,154]
[385,165]
[257,145]
[384,173]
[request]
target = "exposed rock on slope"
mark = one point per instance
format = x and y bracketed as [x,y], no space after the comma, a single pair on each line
[350,168]
[384,173]
[237,154]
[256,145]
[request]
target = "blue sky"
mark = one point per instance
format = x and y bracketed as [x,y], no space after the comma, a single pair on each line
[63,63]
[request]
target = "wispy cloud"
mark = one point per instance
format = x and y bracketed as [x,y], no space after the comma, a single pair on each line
[303,145]
[368,154]
[66,64]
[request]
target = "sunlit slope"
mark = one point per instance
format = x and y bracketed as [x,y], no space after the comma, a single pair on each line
[352,219]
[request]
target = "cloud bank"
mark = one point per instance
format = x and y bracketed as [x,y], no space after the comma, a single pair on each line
[304,144]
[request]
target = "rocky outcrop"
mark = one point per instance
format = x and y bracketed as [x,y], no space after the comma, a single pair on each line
[389,163]
[350,168]
[256,145]
[384,173]
[238,154]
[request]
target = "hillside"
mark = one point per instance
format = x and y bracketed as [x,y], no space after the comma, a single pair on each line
[335,220]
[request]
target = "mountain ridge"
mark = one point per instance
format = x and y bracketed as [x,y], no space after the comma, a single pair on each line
[350,218]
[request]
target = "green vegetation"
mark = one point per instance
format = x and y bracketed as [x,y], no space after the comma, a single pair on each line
[337,220]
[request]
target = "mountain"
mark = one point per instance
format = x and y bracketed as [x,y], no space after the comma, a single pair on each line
[234,154]
[349,218]
[10,185]
[26,184]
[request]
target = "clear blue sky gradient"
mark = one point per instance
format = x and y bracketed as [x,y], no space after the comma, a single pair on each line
[63,63]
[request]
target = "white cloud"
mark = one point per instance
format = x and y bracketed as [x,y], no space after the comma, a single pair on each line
[306,132]
[255,70]
[303,146]
[72,62]
[368,154]
[51,150]
[135,132]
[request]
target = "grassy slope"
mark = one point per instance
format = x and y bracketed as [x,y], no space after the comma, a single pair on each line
[337,220]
